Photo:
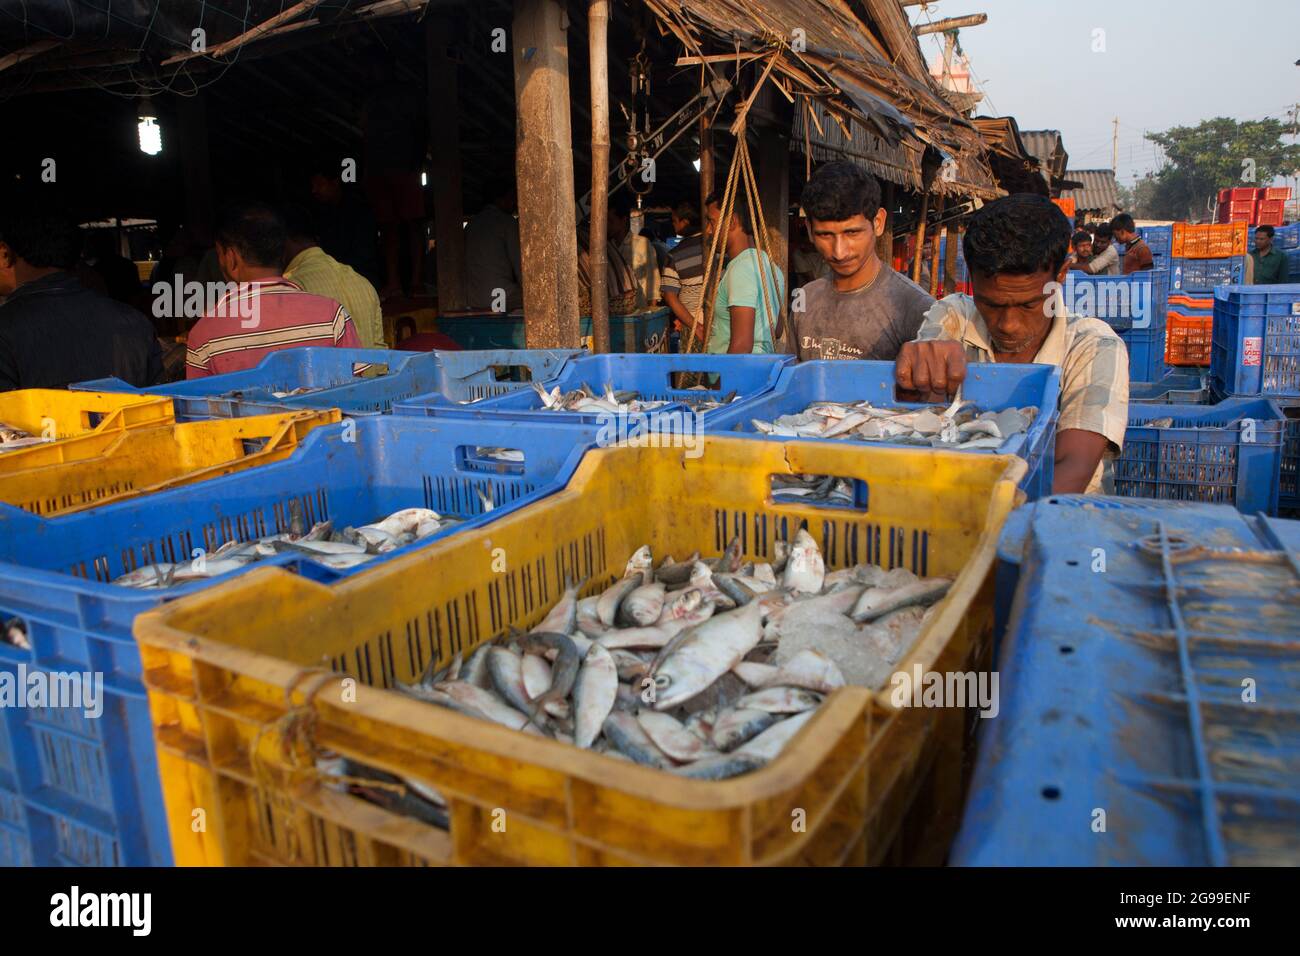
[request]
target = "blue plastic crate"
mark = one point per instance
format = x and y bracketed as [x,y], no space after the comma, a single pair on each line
[639,333]
[94,783]
[991,386]
[1135,301]
[348,379]
[1204,455]
[651,376]
[1122,689]
[1202,275]
[1159,239]
[1182,387]
[1288,482]
[1146,354]
[1255,345]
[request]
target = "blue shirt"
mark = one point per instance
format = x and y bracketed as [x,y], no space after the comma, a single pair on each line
[741,285]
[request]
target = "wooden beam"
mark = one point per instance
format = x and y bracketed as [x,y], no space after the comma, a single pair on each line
[717,58]
[920,237]
[706,163]
[445,169]
[26,53]
[597,256]
[934,258]
[772,172]
[950,260]
[951,23]
[248,36]
[548,231]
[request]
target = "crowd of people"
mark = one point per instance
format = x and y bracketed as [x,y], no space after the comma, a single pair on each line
[294,278]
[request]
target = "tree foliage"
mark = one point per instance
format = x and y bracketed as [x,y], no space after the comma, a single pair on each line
[1216,154]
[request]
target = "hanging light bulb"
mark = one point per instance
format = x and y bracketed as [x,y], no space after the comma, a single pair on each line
[148,129]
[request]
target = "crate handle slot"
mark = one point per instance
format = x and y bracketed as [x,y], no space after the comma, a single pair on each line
[840,493]
[697,380]
[475,458]
[369,369]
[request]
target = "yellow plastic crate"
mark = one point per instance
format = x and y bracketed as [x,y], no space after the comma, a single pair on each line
[103,466]
[60,414]
[245,679]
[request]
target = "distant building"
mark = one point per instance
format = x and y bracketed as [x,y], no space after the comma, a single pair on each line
[1097,199]
[1048,147]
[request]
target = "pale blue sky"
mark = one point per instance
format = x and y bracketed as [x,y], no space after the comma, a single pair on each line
[1166,63]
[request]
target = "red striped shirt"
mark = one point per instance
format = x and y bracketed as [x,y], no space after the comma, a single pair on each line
[263,317]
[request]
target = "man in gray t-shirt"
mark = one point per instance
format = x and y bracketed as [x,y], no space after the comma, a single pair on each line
[863,309]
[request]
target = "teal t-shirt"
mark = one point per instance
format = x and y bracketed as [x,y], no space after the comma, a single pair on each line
[741,285]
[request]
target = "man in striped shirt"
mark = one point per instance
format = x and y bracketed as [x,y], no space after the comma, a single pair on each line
[263,312]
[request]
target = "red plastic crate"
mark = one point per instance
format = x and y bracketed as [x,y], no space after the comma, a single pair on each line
[1209,241]
[1270,212]
[1237,194]
[1230,212]
[1275,192]
[1187,339]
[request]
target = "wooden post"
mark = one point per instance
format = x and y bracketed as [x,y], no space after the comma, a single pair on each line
[706,164]
[548,231]
[196,167]
[934,258]
[885,241]
[950,261]
[772,172]
[445,169]
[597,254]
[920,237]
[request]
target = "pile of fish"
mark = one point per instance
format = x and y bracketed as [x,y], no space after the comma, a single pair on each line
[961,425]
[583,399]
[12,437]
[701,668]
[334,549]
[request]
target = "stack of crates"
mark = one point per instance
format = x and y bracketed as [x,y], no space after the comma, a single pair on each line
[1206,256]
[1145,339]
[1270,205]
[1237,205]
[1256,352]
[1159,240]
[1188,322]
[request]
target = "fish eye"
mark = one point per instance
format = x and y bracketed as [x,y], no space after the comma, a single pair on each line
[662,681]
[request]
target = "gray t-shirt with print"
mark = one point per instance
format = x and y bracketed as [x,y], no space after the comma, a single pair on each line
[872,322]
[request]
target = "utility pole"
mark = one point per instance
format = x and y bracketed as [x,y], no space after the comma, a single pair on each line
[1114,146]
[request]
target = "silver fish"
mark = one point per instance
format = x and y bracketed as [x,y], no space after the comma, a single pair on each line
[738,726]
[721,767]
[612,597]
[594,695]
[772,741]
[707,652]
[674,739]
[877,602]
[626,734]
[780,700]
[642,606]
[806,569]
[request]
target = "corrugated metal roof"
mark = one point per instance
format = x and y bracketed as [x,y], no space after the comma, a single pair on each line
[1046,145]
[1100,193]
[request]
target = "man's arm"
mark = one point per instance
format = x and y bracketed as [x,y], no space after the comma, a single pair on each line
[936,366]
[1078,453]
[742,330]
[675,306]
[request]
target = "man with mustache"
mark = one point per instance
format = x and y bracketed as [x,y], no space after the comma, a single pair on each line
[1015,250]
[862,309]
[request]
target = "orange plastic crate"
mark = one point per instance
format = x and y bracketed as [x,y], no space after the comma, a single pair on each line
[1209,241]
[1187,339]
[1191,302]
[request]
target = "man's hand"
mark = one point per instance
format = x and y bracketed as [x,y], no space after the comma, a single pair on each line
[936,365]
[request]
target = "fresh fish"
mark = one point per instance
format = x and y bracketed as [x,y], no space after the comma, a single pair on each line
[682,604]
[485,702]
[303,546]
[594,695]
[734,588]
[563,618]
[721,767]
[707,652]
[148,576]
[408,519]
[640,564]
[877,602]
[676,575]
[808,670]
[643,606]
[781,700]
[630,667]
[672,738]
[627,735]
[738,726]
[644,637]
[562,673]
[772,741]
[806,569]
[537,675]
[730,560]
[506,667]
[612,598]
